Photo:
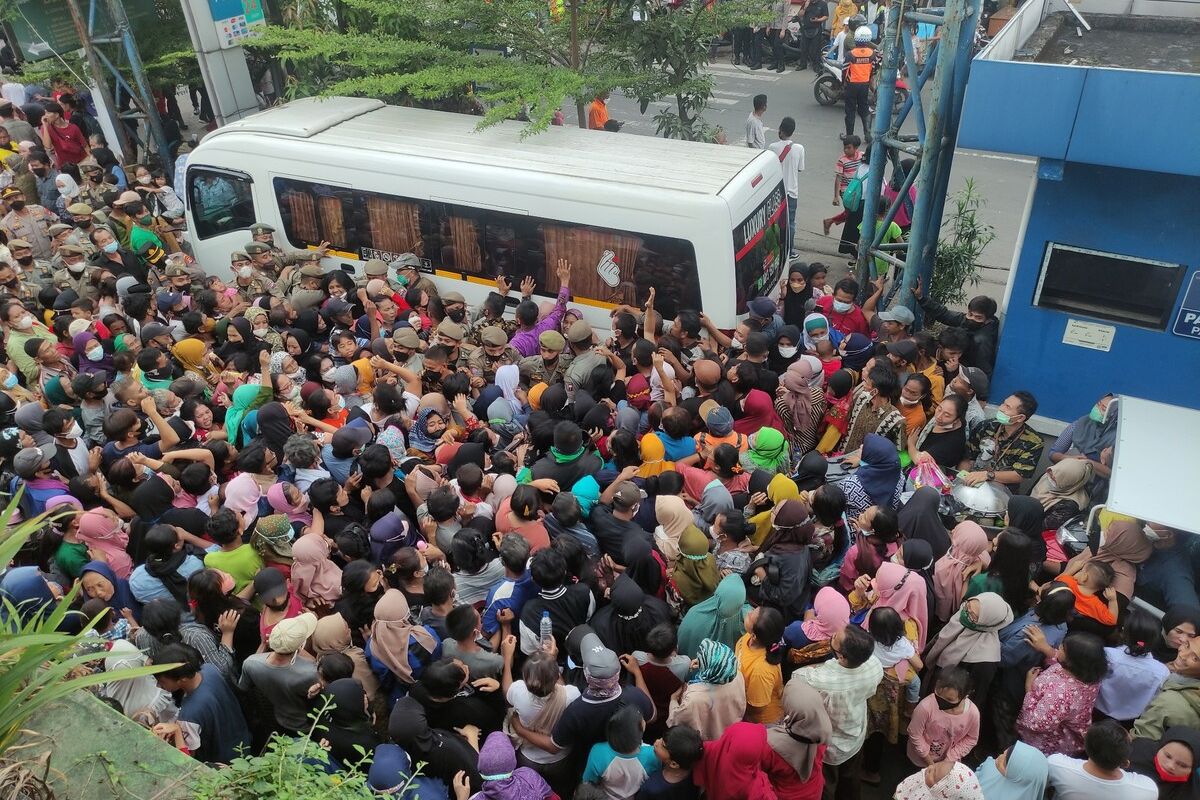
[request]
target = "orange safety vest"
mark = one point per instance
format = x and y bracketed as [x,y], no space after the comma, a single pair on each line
[858,65]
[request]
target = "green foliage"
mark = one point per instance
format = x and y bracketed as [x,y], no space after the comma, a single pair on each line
[956,263]
[36,660]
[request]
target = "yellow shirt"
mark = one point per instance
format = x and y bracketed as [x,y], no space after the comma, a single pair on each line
[936,382]
[764,683]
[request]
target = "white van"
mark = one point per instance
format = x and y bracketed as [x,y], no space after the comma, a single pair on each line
[703,224]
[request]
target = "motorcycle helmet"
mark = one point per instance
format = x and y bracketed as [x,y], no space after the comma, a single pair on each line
[862,35]
[855,22]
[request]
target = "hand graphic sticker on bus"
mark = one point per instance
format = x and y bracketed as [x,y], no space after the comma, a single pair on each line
[608,269]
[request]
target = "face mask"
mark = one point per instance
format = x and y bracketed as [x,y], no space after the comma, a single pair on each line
[39,171]
[25,261]
[75,431]
[818,339]
[841,307]
[1003,419]
[414,321]
[458,314]
[76,268]
[787,352]
[260,333]
[64,191]
[1098,414]
[327,375]
[431,376]
[736,345]
[1166,776]
[907,402]
[246,273]
[943,704]
[95,354]
[145,181]
[10,382]
[25,323]
[17,205]
[95,177]
[972,325]
[83,224]
[337,406]
[111,247]
[294,394]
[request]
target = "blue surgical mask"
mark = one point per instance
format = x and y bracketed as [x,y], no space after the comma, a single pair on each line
[841,307]
[95,354]
[11,381]
[111,247]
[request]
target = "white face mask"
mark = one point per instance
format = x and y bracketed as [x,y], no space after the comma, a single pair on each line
[246,273]
[145,180]
[841,307]
[25,322]
[817,339]
[735,344]
[260,333]
[908,402]
[787,352]
[75,432]
[76,268]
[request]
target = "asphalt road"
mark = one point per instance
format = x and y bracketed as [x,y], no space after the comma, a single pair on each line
[1004,181]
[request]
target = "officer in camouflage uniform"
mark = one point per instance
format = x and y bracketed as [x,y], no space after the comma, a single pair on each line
[451,334]
[290,277]
[408,273]
[34,271]
[307,293]
[265,234]
[12,285]
[550,364]
[76,273]
[494,353]
[248,278]
[85,223]
[406,349]
[586,359]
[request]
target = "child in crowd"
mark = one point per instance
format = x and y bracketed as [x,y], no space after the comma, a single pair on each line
[623,762]
[1095,599]
[895,650]
[838,397]
[108,627]
[1058,701]
[1135,675]
[945,725]
[678,749]
[664,670]
[439,599]
[831,360]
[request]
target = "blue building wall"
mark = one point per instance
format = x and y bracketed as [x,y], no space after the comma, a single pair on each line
[1130,212]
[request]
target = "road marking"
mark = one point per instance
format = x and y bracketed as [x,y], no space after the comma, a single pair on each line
[722,101]
[741,72]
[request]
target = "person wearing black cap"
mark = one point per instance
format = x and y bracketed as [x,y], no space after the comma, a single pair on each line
[612,520]
[763,317]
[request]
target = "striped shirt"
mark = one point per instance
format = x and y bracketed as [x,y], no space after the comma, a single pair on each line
[846,167]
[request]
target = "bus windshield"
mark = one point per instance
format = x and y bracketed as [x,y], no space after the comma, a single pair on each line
[758,249]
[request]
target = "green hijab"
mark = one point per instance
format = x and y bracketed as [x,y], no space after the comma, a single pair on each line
[696,574]
[720,617]
[769,450]
[245,399]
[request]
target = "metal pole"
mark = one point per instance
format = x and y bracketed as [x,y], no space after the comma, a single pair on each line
[885,99]
[98,78]
[925,225]
[121,22]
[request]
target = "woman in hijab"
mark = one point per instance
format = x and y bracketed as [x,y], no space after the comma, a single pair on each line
[817,330]
[878,480]
[971,640]
[296,507]
[768,452]
[274,427]
[1019,773]
[244,399]
[646,567]
[673,519]
[732,766]
[779,488]
[92,360]
[362,587]
[653,457]
[797,744]
[1089,436]
[98,581]
[945,780]
[392,771]
[33,596]
[191,353]
[240,339]
[801,403]
[332,635]
[1062,490]
[502,778]
[1027,514]
[919,519]
[715,696]
[758,412]
[915,554]
[1180,624]
[811,471]
[968,555]
[345,723]
[1125,546]
[783,562]
[101,530]
[315,579]
[242,494]
[421,440]
[856,350]
[398,650]
[623,624]
[720,617]
[797,291]
[714,498]
[810,638]
[901,589]
[696,574]
[1170,762]
[29,419]
[786,349]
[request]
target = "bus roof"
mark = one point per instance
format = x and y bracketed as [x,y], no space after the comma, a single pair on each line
[364,124]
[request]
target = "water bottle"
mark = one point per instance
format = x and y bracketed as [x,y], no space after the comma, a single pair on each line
[547,632]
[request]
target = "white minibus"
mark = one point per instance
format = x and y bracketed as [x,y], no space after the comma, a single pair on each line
[703,224]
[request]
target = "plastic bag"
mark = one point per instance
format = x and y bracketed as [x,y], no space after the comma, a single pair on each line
[927,473]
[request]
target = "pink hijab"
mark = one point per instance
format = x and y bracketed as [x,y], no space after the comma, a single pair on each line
[295,513]
[801,377]
[968,546]
[314,576]
[242,494]
[832,615]
[102,529]
[903,589]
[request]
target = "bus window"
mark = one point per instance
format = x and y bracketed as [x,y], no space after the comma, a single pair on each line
[758,249]
[393,225]
[313,213]
[221,201]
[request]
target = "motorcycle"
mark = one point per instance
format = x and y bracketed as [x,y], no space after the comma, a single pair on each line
[829,90]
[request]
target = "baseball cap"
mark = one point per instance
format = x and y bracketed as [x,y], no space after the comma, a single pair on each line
[552,340]
[269,582]
[154,329]
[27,462]
[598,660]
[406,261]
[580,331]
[406,337]
[761,308]
[78,326]
[169,299]
[493,336]
[707,407]
[290,634]
[978,380]
[348,438]
[901,314]
[336,305]
[905,348]
[627,495]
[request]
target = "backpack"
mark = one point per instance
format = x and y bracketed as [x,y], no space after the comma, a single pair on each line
[852,194]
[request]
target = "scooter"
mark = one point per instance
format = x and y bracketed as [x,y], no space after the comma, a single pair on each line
[829,90]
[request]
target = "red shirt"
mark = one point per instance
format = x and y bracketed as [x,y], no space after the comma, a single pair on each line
[852,321]
[70,145]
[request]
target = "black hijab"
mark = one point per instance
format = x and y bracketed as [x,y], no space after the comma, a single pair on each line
[151,499]
[794,303]
[1175,615]
[346,722]
[274,427]
[919,519]
[1027,514]
[810,473]
[306,323]
[1141,760]
[623,624]
[302,338]
[641,565]
[249,344]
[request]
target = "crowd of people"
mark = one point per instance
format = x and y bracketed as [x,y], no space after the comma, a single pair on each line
[521,559]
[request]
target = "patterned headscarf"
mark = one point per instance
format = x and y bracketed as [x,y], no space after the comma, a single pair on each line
[717,663]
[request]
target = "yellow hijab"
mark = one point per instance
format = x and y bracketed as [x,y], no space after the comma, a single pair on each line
[779,489]
[653,457]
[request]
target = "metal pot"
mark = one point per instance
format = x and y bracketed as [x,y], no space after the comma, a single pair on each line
[989,499]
